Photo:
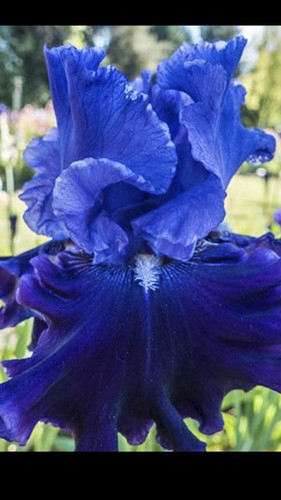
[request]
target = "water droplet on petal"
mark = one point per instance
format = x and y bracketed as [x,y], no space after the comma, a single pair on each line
[258,158]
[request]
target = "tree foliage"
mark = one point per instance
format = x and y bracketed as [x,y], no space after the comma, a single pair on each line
[175,35]
[214,33]
[130,48]
[133,48]
[263,81]
[22,55]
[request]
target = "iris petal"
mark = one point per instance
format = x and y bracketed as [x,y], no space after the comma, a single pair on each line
[38,193]
[104,115]
[174,228]
[88,224]
[11,269]
[222,156]
[101,117]
[182,70]
[153,341]
[212,121]
[124,337]
[57,59]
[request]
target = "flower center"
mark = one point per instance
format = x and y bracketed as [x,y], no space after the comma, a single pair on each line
[147,270]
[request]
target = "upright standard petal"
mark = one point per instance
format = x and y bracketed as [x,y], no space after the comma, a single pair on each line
[213,119]
[77,61]
[222,154]
[78,199]
[100,117]
[106,119]
[168,105]
[181,71]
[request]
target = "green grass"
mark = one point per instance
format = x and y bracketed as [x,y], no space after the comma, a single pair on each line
[252,420]
[250,204]
[25,238]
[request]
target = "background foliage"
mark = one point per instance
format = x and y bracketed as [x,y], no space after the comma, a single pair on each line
[252,420]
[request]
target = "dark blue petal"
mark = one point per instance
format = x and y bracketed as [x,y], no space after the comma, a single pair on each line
[174,228]
[104,118]
[12,269]
[44,156]
[152,341]
[11,313]
[87,376]
[220,141]
[38,327]
[248,243]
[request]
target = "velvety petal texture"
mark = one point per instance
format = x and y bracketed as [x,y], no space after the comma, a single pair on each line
[179,336]
[11,269]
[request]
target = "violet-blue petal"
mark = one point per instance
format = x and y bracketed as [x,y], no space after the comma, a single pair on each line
[245,242]
[39,326]
[190,63]
[215,135]
[105,118]
[142,83]
[57,59]
[168,104]
[213,120]
[78,200]
[43,155]
[174,228]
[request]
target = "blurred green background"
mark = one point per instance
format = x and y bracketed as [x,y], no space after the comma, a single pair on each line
[252,420]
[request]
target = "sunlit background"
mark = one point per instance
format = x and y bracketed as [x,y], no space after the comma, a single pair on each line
[252,420]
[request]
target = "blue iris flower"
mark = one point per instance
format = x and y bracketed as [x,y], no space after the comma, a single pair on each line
[144,311]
